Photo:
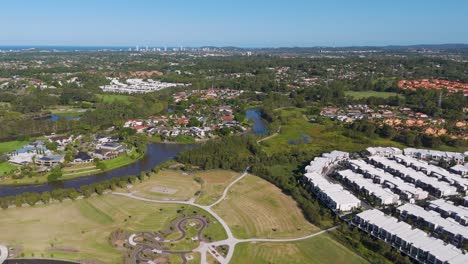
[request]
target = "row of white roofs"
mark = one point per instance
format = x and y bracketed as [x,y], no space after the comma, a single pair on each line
[411,191]
[448,225]
[420,178]
[334,195]
[435,154]
[385,196]
[414,242]
[435,171]
[447,208]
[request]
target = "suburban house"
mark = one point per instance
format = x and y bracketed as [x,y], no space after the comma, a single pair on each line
[82,157]
[51,160]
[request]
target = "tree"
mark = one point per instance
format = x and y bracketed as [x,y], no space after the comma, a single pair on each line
[193,122]
[54,174]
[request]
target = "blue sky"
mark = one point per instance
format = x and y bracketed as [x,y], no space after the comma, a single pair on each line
[244,23]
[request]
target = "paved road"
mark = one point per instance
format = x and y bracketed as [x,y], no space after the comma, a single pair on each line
[3,253]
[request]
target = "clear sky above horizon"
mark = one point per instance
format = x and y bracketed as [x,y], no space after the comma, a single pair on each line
[253,23]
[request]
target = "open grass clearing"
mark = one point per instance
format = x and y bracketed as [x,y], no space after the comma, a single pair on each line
[6,167]
[84,226]
[214,183]
[367,94]
[321,249]
[178,185]
[111,98]
[257,208]
[9,146]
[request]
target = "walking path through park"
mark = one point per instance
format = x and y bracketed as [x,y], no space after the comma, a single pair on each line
[231,241]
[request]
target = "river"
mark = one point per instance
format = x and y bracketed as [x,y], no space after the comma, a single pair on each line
[259,125]
[156,153]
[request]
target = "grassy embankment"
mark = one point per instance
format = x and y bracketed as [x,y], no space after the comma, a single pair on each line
[76,171]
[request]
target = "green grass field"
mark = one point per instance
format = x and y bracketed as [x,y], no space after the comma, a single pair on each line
[179,186]
[110,98]
[214,183]
[319,137]
[321,249]
[257,208]
[367,94]
[6,167]
[9,146]
[77,230]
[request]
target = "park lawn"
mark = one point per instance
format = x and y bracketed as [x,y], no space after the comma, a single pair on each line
[320,137]
[321,249]
[367,94]
[214,183]
[82,225]
[6,167]
[110,98]
[257,208]
[9,146]
[80,229]
[121,160]
[178,184]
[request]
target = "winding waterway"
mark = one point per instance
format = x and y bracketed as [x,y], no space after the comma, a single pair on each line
[156,153]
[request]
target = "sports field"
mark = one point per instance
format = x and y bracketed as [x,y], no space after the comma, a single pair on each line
[367,94]
[257,208]
[110,98]
[321,249]
[77,230]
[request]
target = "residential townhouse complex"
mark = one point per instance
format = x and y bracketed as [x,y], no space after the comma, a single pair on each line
[387,177]
[412,241]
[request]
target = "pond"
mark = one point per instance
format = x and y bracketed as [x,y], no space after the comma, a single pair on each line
[156,153]
[57,117]
[259,125]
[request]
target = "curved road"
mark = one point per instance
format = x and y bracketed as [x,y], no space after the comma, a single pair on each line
[231,241]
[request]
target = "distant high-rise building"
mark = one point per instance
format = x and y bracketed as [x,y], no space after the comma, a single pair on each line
[137,48]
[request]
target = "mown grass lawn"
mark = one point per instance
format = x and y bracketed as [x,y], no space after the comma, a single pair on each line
[82,228]
[367,94]
[9,146]
[110,98]
[257,208]
[6,167]
[173,184]
[214,183]
[321,249]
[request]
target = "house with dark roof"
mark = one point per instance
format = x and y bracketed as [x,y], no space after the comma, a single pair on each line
[82,157]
